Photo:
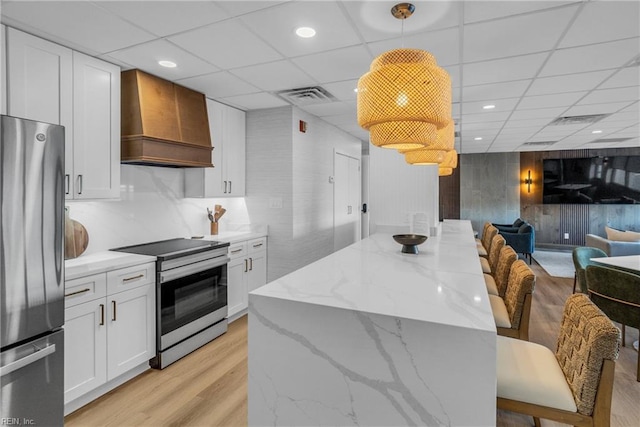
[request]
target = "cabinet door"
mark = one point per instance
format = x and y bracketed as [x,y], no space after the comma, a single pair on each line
[237,285]
[85,348]
[234,151]
[40,84]
[257,270]
[96,119]
[3,69]
[131,329]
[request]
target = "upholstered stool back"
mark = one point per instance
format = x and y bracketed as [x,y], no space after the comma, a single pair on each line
[501,274]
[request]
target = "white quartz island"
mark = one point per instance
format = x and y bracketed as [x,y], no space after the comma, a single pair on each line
[371,336]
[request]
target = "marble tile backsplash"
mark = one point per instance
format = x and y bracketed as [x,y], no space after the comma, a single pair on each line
[152,207]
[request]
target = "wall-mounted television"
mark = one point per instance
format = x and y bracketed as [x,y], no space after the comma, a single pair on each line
[598,180]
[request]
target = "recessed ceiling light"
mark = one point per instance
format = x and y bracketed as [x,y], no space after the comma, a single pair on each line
[305,32]
[488,107]
[596,131]
[168,64]
[477,138]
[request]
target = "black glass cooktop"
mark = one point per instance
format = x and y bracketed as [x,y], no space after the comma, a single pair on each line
[172,247]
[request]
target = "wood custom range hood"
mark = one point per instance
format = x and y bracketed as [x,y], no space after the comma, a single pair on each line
[163,124]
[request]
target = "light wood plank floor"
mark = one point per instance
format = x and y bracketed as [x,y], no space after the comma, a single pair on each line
[209,387]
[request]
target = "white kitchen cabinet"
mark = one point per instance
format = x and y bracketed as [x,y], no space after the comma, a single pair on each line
[246,271]
[51,83]
[228,137]
[109,327]
[96,128]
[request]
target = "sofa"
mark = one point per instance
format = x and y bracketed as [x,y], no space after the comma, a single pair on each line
[612,247]
[521,239]
[511,228]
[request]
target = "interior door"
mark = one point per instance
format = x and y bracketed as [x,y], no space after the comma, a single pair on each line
[346,201]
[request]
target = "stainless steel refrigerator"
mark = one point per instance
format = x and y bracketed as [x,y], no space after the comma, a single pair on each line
[31,272]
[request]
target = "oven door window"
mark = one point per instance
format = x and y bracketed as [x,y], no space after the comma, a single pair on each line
[188,298]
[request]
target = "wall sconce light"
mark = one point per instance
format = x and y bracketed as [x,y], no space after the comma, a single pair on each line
[528,181]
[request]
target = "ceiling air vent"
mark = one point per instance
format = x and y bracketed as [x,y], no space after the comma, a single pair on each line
[306,96]
[578,120]
[536,143]
[609,140]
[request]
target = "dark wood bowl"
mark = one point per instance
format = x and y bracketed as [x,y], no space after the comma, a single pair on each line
[410,242]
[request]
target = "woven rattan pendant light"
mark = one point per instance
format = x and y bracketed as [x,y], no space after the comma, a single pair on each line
[437,151]
[405,97]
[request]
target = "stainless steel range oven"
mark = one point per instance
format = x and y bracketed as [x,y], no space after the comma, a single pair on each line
[191,294]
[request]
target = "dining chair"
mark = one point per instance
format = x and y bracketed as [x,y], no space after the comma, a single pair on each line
[496,282]
[490,232]
[490,263]
[617,293]
[574,385]
[581,259]
[512,313]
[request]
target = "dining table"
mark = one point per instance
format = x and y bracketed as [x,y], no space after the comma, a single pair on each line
[629,263]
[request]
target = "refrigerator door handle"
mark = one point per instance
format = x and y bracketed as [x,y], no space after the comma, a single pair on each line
[28,360]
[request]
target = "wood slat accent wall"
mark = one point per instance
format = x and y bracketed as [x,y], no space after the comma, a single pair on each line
[450,194]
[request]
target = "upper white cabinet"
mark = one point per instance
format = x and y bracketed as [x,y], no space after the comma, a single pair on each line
[96,128]
[228,137]
[51,83]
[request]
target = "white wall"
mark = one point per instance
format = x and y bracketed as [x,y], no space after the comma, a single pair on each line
[287,166]
[398,191]
[152,207]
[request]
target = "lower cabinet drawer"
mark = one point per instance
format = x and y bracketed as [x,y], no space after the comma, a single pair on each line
[131,277]
[83,289]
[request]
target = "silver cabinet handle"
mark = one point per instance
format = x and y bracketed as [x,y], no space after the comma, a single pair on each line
[79,184]
[113,306]
[128,279]
[27,360]
[225,187]
[66,184]
[229,187]
[77,292]
[101,315]
[250,264]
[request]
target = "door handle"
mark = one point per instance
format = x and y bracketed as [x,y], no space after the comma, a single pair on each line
[79,184]
[225,187]
[28,360]
[66,184]
[113,306]
[250,264]
[101,315]
[246,265]
[229,187]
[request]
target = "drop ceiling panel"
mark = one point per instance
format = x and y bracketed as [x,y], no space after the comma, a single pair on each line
[591,58]
[526,123]
[580,110]
[237,8]
[255,101]
[331,108]
[343,64]
[484,10]
[374,21]
[344,91]
[499,116]
[274,76]
[608,95]
[481,126]
[501,105]
[546,101]
[219,85]
[81,25]
[568,83]
[145,56]
[152,15]
[443,45]
[495,90]
[484,41]
[543,114]
[502,70]
[227,45]
[524,131]
[588,27]
[629,76]
[277,27]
